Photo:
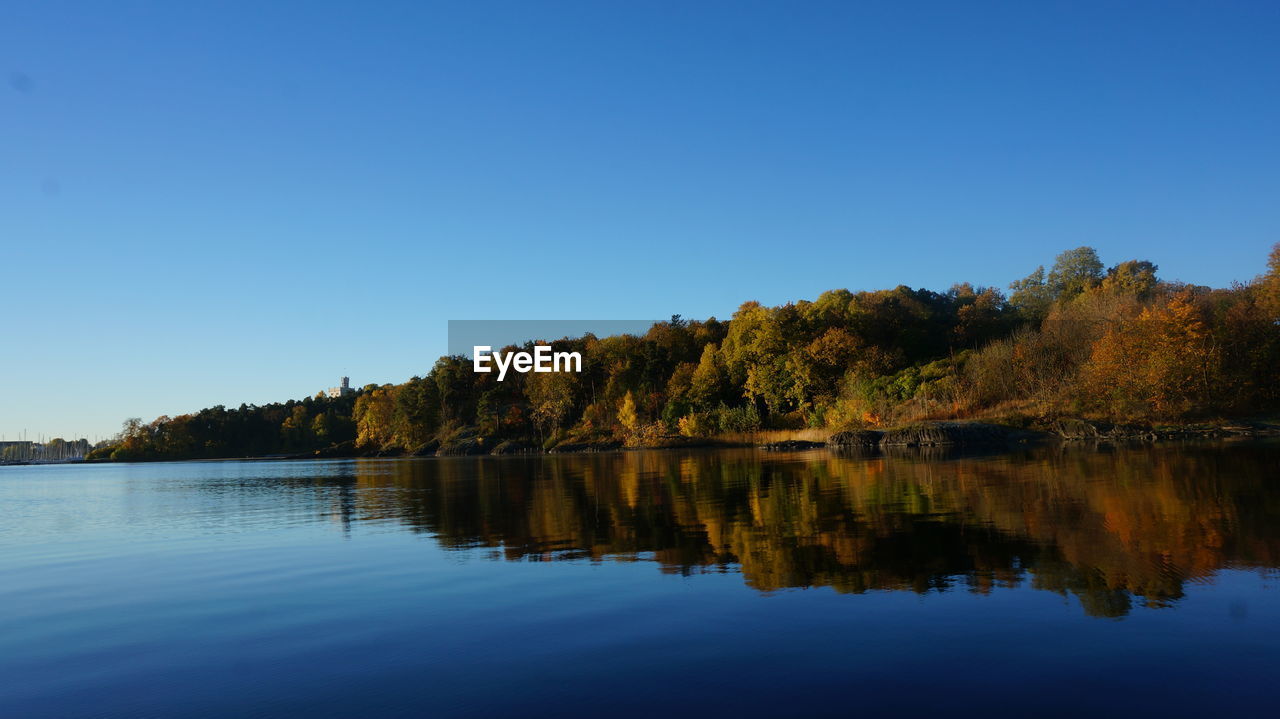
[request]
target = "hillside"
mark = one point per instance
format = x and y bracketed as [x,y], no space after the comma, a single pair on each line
[1111,344]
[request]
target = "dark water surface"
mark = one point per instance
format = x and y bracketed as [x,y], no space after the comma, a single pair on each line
[1049,582]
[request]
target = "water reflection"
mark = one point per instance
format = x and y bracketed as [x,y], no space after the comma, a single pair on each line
[1109,527]
[321,588]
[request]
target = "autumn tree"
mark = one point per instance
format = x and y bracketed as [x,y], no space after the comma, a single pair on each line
[551,398]
[981,316]
[627,416]
[828,357]
[1134,277]
[709,385]
[1161,363]
[374,414]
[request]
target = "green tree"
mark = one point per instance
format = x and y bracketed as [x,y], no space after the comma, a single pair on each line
[758,354]
[320,427]
[295,431]
[1073,272]
[417,412]
[709,385]
[1030,296]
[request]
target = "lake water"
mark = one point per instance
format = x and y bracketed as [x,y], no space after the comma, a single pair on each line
[1067,581]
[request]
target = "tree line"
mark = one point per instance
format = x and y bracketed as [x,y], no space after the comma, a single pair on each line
[1079,339]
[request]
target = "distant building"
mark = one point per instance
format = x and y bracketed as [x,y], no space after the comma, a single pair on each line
[343,390]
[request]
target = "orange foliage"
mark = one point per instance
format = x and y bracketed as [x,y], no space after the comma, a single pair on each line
[1159,363]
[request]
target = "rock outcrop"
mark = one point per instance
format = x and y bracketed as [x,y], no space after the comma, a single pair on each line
[856,438]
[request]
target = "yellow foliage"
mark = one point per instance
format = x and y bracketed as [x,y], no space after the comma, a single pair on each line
[691,426]
[1159,363]
[627,413]
[373,415]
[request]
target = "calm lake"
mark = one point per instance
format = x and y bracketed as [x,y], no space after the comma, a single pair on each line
[1053,581]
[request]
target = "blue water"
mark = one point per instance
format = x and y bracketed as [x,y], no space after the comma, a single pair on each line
[644,583]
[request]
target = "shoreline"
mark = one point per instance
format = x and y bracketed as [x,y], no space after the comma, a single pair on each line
[954,434]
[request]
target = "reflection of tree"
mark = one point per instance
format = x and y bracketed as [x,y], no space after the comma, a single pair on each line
[1106,527]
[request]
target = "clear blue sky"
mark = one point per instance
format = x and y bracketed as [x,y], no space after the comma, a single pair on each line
[213,203]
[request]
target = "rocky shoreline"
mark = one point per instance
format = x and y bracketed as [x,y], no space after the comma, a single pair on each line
[934,434]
